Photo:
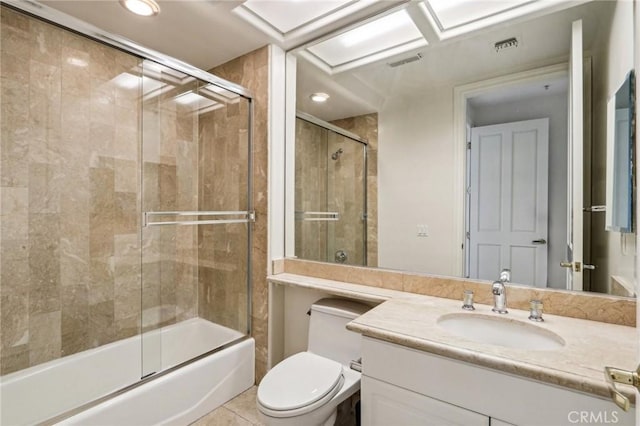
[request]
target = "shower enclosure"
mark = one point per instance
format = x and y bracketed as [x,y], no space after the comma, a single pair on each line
[126,211]
[330,193]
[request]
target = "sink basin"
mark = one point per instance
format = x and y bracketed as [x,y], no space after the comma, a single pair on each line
[500,331]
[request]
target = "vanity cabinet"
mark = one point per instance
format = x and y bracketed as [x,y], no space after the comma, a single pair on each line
[404,386]
[385,404]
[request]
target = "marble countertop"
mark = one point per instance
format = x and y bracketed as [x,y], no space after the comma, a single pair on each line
[410,320]
[579,364]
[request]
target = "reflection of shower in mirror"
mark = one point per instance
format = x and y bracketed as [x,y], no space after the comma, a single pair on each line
[337,154]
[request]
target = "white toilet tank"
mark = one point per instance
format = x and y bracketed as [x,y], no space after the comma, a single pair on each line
[328,336]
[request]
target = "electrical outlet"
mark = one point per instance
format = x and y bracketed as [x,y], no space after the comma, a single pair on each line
[423,231]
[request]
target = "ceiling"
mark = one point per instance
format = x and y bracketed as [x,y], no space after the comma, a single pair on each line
[454,38]
[207,33]
[542,40]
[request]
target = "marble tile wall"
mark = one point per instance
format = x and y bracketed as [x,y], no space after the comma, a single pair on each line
[222,271]
[69,211]
[366,126]
[311,190]
[252,71]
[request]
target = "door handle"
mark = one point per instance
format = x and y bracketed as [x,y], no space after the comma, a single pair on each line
[576,266]
[615,375]
[540,241]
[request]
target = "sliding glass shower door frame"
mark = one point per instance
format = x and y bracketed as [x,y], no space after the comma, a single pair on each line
[330,216]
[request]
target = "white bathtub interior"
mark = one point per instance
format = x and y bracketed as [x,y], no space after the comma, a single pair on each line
[44,391]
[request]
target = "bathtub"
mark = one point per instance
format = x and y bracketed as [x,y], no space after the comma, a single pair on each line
[179,396]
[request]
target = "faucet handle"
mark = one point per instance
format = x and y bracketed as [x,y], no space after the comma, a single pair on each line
[467,300]
[535,310]
[505,275]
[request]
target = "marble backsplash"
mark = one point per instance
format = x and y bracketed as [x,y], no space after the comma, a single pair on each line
[583,305]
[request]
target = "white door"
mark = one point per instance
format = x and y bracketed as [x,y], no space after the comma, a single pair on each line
[509,201]
[575,166]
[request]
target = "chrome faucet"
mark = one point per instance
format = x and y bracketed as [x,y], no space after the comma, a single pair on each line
[500,292]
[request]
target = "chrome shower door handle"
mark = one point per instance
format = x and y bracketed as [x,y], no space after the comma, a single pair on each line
[616,375]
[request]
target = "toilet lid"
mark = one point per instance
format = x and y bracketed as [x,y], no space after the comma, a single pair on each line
[298,381]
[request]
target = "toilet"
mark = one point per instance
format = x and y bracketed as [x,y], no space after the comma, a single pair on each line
[306,388]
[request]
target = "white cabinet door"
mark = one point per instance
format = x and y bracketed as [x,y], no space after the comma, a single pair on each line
[384,404]
[482,390]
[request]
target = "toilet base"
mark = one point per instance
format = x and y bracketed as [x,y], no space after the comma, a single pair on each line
[324,415]
[332,419]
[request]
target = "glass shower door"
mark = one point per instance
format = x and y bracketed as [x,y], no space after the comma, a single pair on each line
[196,217]
[346,238]
[330,197]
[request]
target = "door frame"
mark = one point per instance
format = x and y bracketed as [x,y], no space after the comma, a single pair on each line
[461,95]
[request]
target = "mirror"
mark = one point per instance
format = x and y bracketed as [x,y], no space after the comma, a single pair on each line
[436,82]
[620,143]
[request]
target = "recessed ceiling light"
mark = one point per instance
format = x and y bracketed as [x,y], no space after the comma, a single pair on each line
[319,97]
[141,7]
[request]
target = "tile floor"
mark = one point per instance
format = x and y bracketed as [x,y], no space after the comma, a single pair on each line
[240,411]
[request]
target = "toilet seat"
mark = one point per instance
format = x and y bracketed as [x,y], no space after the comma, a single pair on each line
[299,384]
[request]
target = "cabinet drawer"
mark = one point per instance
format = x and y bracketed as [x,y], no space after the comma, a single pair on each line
[384,404]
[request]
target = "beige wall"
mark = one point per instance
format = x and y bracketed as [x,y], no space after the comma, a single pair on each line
[415,183]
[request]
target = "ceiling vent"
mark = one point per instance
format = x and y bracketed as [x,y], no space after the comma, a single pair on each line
[510,43]
[404,61]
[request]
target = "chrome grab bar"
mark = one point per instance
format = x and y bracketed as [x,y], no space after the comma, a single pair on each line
[318,216]
[246,217]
